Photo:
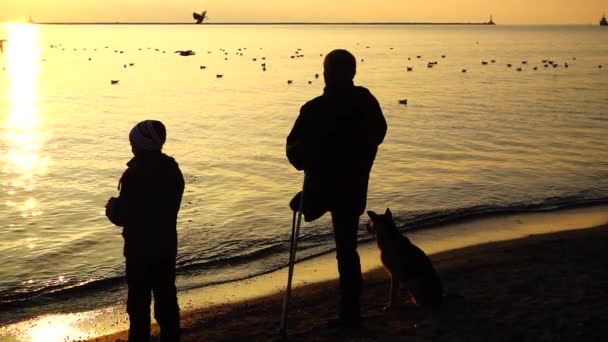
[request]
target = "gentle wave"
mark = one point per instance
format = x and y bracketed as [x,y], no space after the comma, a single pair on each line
[273,254]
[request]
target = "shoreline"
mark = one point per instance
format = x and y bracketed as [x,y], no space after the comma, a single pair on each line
[540,287]
[318,270]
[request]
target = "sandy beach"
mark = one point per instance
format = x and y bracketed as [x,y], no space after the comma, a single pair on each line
[547,287]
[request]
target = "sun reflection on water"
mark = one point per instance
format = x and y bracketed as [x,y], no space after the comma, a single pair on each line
[21,156]
[77,326]
[53,328]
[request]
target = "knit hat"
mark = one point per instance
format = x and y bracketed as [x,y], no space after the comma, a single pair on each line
[148,135]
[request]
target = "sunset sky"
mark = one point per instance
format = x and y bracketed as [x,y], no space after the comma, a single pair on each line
[505,12]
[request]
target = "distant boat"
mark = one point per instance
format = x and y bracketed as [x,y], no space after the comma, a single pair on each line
[199,17]
[604,22]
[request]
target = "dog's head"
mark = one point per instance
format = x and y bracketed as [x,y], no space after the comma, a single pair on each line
[380,222]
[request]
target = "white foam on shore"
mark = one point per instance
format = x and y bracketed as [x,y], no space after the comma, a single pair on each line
[83,325]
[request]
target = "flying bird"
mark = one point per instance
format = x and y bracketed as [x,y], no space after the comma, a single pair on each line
[199,17]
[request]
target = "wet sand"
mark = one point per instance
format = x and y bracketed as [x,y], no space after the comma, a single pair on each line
[545,287]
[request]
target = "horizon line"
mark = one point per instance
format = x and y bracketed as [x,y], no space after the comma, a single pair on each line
[262,23]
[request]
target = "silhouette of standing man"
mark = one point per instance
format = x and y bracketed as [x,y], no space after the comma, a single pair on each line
[334,140]
[150,196]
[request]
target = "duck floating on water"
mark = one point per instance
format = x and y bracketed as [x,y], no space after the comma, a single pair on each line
[186,52]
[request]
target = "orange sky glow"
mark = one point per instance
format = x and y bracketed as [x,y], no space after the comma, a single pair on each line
[505,12]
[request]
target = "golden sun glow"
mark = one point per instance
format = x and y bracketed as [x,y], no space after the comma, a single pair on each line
[22,160]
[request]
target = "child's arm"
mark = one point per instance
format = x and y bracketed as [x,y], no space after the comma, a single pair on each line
[120,210]
[112,212]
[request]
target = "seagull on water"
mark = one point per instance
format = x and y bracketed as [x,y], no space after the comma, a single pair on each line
[186,52]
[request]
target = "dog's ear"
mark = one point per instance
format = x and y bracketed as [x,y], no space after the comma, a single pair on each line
[372,215]
[388,213]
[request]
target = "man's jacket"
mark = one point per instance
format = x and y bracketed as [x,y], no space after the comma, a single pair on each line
[335,140]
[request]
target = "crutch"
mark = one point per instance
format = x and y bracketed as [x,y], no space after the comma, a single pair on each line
[295,232]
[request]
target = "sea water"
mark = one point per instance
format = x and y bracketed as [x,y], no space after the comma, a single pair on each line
[489,140]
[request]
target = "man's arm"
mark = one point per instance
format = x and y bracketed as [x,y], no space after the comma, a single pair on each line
[296,141]
[180,185]
[377,123]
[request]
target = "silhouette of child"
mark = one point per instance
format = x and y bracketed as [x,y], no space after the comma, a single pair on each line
[150,196]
